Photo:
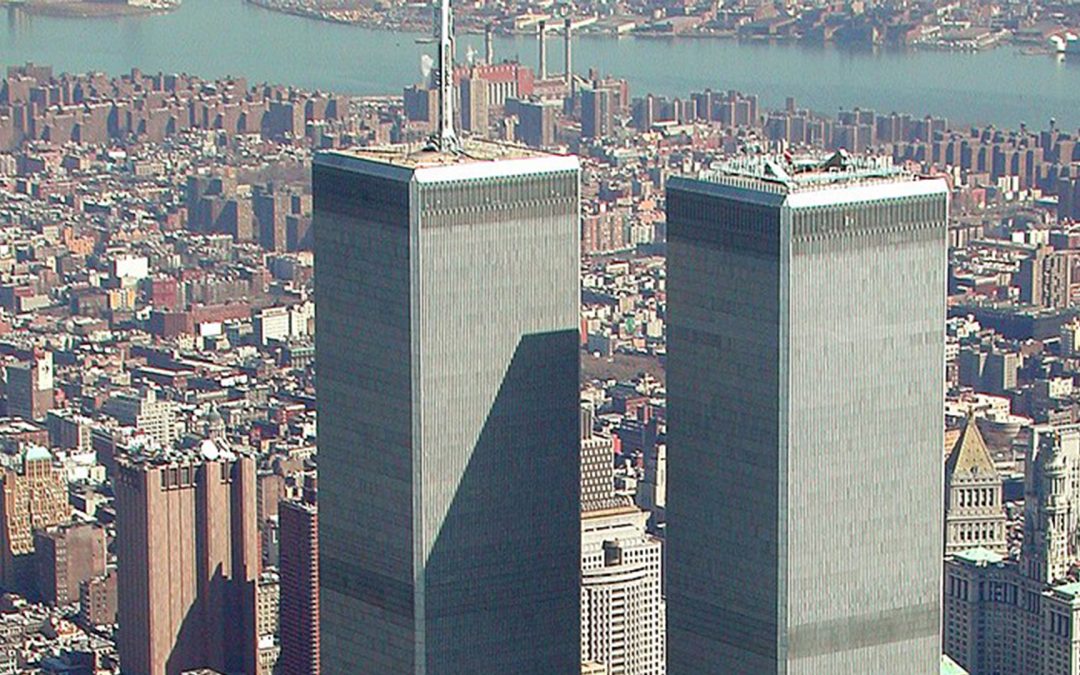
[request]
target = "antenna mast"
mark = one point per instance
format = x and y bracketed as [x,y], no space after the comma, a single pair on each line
[445,140]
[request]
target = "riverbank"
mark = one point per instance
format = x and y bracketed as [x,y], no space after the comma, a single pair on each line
[360,17]
[221,37]
[409,19]
[88,9]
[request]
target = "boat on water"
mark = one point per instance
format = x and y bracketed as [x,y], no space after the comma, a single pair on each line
[424,40]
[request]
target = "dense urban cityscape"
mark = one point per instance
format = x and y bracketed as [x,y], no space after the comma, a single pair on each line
[864,324]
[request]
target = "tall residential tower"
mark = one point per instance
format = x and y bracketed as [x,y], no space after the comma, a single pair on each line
[805,383]
[447,289]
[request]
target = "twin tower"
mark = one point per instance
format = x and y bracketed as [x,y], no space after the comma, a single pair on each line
[805,324]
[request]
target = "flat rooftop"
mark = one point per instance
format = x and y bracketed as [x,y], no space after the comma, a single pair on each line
[417,156]
[477,159]
[980,555]
[144,456]
[786,174]
[1069,590]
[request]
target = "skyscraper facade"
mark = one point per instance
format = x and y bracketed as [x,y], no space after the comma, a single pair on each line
[188,562]
[447,288]
[299,574]
[622,604]
[805,376]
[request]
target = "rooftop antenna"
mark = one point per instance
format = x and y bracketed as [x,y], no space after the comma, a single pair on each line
[444,139]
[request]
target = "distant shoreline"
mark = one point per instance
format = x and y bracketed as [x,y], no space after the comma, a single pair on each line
[82,9]
[329,16]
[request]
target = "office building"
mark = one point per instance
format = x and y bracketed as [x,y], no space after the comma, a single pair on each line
[299,575]
[1045,278]
[267,611]
[146,412]
[970,366]
[29,387]
[1070,337]
[1019,617]
[473,94]
[35,496]
[188,561]
[97,600]
[622,604]
[271,324]
[597,466]
[652,490]
[447,293]
[974,512]
[67,556]
[804,526]
[597,112]
[535,122]
[422,105]
[69,430]
[999,372]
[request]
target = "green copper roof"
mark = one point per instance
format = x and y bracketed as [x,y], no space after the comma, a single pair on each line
[35,452]
[980,555]
[1072,589]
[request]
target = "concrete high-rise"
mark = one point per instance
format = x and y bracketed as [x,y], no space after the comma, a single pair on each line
[145,411]
[1045,278]
[188,562]
[597,467]
[622,605]
[447,289]
[805,371]
[299,575]
[597,112]
[473,93]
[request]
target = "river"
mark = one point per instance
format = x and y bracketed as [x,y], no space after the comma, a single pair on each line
[218,37]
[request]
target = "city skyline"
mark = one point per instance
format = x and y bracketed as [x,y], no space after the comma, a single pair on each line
[298,382]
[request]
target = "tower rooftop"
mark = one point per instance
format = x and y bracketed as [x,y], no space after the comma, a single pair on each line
[809,181]
[414,156]
[786,174]
[476,159]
